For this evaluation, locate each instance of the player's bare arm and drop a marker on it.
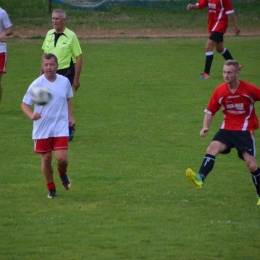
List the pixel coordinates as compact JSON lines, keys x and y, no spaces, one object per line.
{"x":6,"y":32}
{"x":71,"y":118}
{"x":191,"y":6}
{"x":28,"y":112}
{"x":78,"y":66}
{"x":234,"y":20}
{"x":206,"y":123}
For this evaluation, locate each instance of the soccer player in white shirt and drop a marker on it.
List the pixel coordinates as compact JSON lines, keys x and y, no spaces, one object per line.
{"x":5,"y":30}
{"x":50,"y":122}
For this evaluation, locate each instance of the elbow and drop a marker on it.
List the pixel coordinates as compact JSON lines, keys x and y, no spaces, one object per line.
{"x":9,"y":31}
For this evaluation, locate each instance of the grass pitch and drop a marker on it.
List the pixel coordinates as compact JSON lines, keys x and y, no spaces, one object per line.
{"x":139,"y":111}
{"x":34,"y":15}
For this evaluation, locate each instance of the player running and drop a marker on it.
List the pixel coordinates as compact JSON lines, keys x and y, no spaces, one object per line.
{"x":50,"y":123}
{"x":218,"y":11}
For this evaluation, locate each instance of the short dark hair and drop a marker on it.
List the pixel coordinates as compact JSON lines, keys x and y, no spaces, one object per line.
{"x":232,"y":63}
{"x":50,"y":56}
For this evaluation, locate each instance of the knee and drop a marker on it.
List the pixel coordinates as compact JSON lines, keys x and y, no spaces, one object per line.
{"x":250,"y":162}
{"x":209,"y":46}
{"x":212,"y":149}
{"x":62,"y":161}
{"x":208,"y":49}
{"x":252,"y":165}
{"x":219,"y":50}
{"x":46,"y":159}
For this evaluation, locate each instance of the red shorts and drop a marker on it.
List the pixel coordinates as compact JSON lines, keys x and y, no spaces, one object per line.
{"x":51,"y":143}
{"x":3,"y":62}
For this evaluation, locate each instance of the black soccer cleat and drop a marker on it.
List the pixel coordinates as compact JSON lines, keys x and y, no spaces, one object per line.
{"x":51,"y":194}
{"x":65,"y":181}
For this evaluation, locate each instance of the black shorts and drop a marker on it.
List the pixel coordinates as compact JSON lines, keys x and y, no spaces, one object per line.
{"x":241,"y":140}
{"x":68,"y":73}
{"x":217,"y":37}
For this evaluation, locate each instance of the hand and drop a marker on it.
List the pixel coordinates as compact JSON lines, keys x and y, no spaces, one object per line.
{"x":203,"y":131}
{"x":237,"y":30}
{"x":76,"y":84}
{"x":2,"y":37}
{"x":71,"y":122}
{"x":189,"y":6}
{"x":35,"y":116}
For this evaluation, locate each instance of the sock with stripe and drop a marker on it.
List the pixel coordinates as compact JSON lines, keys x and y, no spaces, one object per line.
{"x":206,"y":166}
{"x":256,"y":180}
{"x":208,"y":62}
{"x":227,"y":55}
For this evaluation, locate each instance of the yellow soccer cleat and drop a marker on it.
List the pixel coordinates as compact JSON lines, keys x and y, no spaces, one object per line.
{"x":196,"y":179}
{"x":258,"y":202}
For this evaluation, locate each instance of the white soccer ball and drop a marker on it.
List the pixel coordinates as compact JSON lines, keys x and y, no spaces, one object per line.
{"x":41,"y":95}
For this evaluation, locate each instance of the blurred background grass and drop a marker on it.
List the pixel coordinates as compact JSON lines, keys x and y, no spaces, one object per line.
{"x":34,"y":14}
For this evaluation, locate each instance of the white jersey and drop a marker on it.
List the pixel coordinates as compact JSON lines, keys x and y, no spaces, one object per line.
{"x":54,"y":119}
{"x":4,"y":24}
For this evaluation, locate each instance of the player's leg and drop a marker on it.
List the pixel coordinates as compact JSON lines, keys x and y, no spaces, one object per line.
{"x":255,"y":172}
{"x":3,"y":62}
{"x":247,"y":151}
{"x":209,"y":58}
{"x":215,"y":40}
{"x":246,"y":147}
{"x":47,"y":172}
{"x":61,"y":154}
{"x":207,"y":165}
{"x":1,"y":88}
{"x":217,"y":145}
{"x":46,"y":167}
{"x":220,"y":48}
{"x":44,"y":148}
{"x":62,"y":162}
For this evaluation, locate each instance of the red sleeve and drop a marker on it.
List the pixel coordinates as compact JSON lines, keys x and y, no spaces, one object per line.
{"x":202,"y":3}
{"x":214,"y":103}
{"x":228,"y":7}
{"x":254,"y":90}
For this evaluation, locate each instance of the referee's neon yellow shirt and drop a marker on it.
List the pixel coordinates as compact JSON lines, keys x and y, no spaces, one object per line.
{"x":67,"y":47}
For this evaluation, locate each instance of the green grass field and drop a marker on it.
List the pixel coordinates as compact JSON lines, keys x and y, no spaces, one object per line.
{"x":33,"y":14}
{"x":138,"y":112}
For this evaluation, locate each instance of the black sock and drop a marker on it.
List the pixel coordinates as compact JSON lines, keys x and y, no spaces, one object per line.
{"x":208,"y":62}
{"x":227,"y":55}
{"x":256,"y":180}
{"x":206,"y":166}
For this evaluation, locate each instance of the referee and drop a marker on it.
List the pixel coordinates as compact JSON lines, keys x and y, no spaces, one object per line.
{"x":64,"y":44}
